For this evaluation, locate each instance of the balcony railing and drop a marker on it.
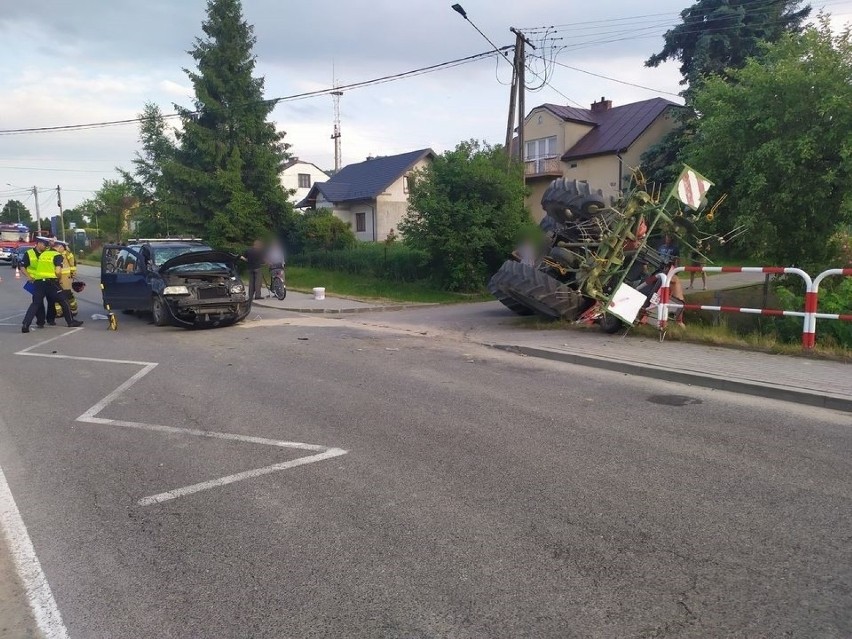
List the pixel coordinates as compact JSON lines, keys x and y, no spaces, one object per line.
{"x":543,"y":166}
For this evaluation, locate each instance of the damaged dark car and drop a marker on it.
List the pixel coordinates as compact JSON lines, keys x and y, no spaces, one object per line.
{"x":180,"y":282}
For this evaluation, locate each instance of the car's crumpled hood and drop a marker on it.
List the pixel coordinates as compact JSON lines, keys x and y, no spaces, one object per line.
{"x":199,"y":257}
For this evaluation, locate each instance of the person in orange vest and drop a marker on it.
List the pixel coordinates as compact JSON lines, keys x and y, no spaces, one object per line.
{"x":43,"y":267}
{"x":66,"y":279}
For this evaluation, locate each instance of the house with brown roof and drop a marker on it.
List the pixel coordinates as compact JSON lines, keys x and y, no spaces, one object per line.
{"x":599,"y":145}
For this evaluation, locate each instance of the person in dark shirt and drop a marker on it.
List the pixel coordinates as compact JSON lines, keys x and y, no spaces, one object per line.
{"x":45,"y":285}
{"x":669,"y":250}
{"x":254,"y":256}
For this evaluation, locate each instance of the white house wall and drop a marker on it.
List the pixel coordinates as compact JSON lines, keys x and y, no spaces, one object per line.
{"x":290,"y":179}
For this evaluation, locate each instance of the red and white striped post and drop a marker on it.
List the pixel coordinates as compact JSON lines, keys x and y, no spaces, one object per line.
{"x":807,"y":322}
{"x":812,"y":306}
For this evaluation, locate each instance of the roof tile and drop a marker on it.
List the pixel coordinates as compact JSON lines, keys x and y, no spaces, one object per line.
{"x":365,"y":180}
{"x":616,"y":129}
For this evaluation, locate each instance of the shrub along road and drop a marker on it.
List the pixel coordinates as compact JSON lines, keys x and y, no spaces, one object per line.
{"x":480,"y":495}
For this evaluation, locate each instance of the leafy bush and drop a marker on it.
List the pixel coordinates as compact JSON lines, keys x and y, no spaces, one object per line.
{"x":389,"y":261}
{"x":466,"y":212}
{"x":320,"y":229}
{"x":835,"y":296}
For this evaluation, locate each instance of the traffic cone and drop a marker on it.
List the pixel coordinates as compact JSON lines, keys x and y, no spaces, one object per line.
{"x":17,"y":273}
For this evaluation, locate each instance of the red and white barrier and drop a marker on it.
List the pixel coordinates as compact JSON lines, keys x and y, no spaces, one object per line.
{"x":812,"y":296}
{"x":808,"y":315}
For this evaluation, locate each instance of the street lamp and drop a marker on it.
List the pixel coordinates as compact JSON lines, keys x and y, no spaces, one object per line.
{"x":460,"y":10}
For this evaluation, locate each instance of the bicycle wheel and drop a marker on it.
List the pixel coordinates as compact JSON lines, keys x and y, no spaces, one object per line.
{"x":278,"y":288}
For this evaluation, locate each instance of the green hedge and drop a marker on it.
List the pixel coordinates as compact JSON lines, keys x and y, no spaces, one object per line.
{"x":835,"y":296}
{"x":393,"y":262}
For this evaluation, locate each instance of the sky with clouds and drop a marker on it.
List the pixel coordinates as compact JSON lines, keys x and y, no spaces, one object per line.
{"x":100,"y":60}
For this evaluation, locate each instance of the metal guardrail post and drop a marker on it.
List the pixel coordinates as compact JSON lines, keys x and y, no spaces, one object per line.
{"x":809,"y":314}
{"x":812,"y":296}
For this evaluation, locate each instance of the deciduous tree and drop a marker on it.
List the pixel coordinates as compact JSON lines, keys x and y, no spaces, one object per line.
{"x":15,"y":211}
{"x":778,"y":137}
{"x":155,"y":215}
{"x":714,"y":38}
{"x":467,"y":212}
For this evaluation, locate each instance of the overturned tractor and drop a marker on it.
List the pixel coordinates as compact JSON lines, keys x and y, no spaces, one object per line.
{"x":591,"y":247}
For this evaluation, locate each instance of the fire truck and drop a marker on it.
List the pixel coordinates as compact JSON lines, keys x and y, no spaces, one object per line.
{"x":13,"y":236}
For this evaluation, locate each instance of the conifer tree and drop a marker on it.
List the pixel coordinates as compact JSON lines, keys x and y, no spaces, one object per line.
{"x":225,"y":175}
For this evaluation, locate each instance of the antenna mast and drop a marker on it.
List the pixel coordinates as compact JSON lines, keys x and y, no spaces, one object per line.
{"x":336,"y":135}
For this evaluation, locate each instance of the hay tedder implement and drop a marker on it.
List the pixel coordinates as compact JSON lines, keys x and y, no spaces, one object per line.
{"x":594,"y":263}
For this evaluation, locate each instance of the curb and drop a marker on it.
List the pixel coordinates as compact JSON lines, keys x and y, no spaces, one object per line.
{"x":345,"y":311}
{"x":831,"y":402}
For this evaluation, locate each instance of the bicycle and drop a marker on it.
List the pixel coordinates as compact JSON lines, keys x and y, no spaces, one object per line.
{"x":277,"y":286}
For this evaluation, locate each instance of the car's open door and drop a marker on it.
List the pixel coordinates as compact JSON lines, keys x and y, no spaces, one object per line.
{"x":124,"y":278}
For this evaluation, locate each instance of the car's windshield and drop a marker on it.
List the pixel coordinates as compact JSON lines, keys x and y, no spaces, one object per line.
{"x":162,"y":254}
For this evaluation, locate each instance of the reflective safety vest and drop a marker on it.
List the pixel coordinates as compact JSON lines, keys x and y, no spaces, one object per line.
{"x":33,"y":265}
{"x":70,"y":260}
{"x":41,"y":265}
{"x":67,"y":264}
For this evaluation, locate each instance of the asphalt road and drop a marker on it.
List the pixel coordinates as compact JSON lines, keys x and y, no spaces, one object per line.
{"x":481,"y":494}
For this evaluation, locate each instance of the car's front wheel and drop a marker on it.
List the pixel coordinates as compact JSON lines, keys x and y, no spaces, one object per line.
{"x":159,"y":311}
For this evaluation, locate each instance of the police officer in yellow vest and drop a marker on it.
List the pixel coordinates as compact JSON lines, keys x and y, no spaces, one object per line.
{"x":66,"y":278}
{"x":43,"y":267}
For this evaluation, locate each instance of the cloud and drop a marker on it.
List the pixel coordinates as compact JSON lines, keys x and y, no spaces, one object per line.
{"x":89,"y":60}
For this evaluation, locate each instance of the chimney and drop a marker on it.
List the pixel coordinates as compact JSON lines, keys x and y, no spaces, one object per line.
{"x":603,"y":105}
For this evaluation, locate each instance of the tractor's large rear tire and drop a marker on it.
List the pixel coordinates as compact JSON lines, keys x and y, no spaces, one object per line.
{"x":504,"y":298}
{"x":567,"y":200}
{"x":610,"y":324}
{"x":542,"y":293}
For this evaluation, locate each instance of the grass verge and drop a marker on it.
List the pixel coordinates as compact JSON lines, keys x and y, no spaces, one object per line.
{"x":302,"y":278}
{"x":737,"y":331}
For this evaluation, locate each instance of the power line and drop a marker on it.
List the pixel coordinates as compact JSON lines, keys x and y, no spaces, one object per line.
{"x":611,"y":79}
{"x":33,"y":168}
{"x":290,"y":98}
{"x":752,"y":6}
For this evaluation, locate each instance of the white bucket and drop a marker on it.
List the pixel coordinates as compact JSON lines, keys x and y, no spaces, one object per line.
{"x":319,"y":293}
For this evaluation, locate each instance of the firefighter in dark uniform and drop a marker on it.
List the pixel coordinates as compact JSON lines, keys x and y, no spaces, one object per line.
{"x":43,"y":267}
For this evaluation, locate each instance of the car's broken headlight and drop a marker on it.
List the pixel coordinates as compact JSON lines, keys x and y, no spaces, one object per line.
{"x":236,"y":289}
{"x":176,"y":290}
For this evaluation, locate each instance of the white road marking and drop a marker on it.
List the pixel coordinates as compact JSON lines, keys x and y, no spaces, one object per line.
{"x":38,"y":592}
{"x":3,"y":319}
{"x":230,"y":479}
{"x":91,"y":417}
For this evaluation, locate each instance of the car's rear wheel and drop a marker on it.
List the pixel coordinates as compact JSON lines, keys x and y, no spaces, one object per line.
{"x":159,"y":312}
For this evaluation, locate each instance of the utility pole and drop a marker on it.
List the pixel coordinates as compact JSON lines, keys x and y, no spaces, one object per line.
{"x":61,"y":215}
{"x":520,"y":70}
{"x":38,"y":213}
{"x":513,"y":92}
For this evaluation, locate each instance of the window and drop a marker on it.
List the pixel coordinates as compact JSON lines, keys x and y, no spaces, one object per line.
{"x":537,"y":151}
{"x":406,"y":183}
{"x":541,"y":148}
{"x":304,"y":180}
{"x":360,"y":222}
